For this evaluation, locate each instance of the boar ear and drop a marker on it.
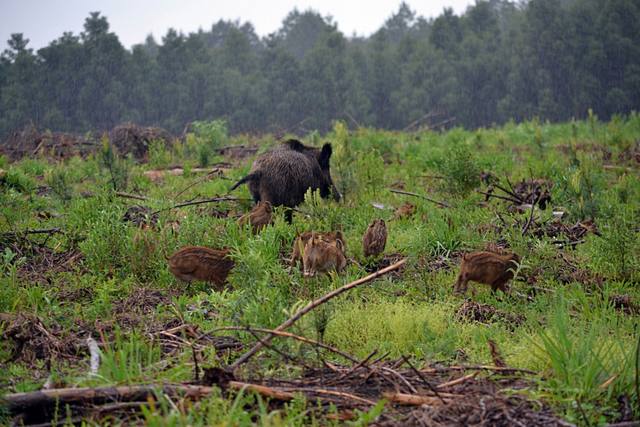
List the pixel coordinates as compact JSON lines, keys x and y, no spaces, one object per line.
{"x":325,"y":155}
{"x":339,"y":244}
{"x":294,"y":144}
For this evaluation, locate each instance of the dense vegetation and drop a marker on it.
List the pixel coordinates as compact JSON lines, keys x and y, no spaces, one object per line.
{"x":553,"y":59}
{"x":571,"y":317}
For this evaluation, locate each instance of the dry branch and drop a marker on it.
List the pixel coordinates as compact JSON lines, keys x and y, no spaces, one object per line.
{"x":203,"y":201}
{"x":457,"y":381}
{"x":476,"y":368}
{"x":25,"y":402}
{"x":131,"y":196}
{"x":407,"y":193}
{"x":289,"y":335}
{"x":263,"y":390}
{"x":245,"y":357}
{"x":412,"y":399}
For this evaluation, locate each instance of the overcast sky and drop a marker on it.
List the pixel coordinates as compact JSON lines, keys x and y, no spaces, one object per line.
{"x":42,"y":21}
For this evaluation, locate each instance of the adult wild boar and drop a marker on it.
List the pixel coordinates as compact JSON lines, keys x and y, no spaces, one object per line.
{"x":283,"y":176}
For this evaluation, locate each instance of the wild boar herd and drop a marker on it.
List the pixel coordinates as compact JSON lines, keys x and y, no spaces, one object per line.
{"x":281,"y":177}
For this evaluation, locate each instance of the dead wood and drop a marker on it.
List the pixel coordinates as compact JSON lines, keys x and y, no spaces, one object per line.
{"x":289,"y":335}
{"x":457,"y":381}
{"x":203,"y":201}
{"x":477,"y":368}
{"x":407,"y":193}
{"x":263,"y":390}
{"x":32,"y":401}
{"x":412,"y":399}
{"x":131,"y":196}
{"x":533,"y":207}
{"x":245,"y":357}
{"x":36,"y":231}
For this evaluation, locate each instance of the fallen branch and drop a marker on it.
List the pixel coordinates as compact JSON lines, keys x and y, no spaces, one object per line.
{"x":27,"y":402}
{"x":407,"y":193}
{"x":288,"y":335}
{"x":201,"y":202}
{"x":497,"y":196}
{"x":263,"y":390}
{"x":533,"y":207}
{"x":476,"y":368}
{"x":424,"y":380}
{"x":131,"y":196}
{"x":198,"y":181}
{"x":411,"y":399}
{"x":36,"y":231}
{"x":457,"y":381}
{"x":245,"y":357}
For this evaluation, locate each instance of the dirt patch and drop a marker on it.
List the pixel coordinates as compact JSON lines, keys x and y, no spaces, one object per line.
{"x":32,"y":340}
{"x":631,"y":154}
{"x":569,"y":234}
{"x":386,"y":261}
{"x":141,"y":216}
{"x":434,"y":396}
{"x":30,"y":142}
{"x":37,"y":262}
{"x":440,"y":262}
{"x":472,"y":311}
{"x":625,"y":304}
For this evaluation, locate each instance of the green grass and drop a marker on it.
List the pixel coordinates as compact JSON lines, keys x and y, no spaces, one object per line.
{"x":583,"y":348}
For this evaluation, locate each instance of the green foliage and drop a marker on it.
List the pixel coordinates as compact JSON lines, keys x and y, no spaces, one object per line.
{"x":116,"y":166}
{"x":565,"y":317}
{"x":460,"y":168}
{"x":60,"y":182}
{"x":583,"y":357}
{"x":159,"y":155}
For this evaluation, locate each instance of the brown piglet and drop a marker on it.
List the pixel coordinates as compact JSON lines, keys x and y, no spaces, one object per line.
{"x":302,"y":239}
{"x":259,"y":217}
{"x":375,"y":238}
{"x":488,"y":268}
{"x":321,"y":256}
{"x":201,"y":263}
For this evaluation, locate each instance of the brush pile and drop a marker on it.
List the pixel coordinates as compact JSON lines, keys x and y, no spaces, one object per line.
{"x":30,"y":142}
{"x":132,"y":139}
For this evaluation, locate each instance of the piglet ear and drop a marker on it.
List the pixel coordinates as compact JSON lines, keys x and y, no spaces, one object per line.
{"x":325,"y":155}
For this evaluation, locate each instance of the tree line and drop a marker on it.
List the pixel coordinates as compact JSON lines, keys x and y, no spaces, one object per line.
{"x":500,"y":60}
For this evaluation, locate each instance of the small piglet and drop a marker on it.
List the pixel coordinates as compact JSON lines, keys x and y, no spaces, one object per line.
{"x":321,"y":257}
{"x":375,"y":238}
{"x":303,"y":238}
{"x":488,"y":268}
{"x":201,"y":263}
{"x":259,"y":217}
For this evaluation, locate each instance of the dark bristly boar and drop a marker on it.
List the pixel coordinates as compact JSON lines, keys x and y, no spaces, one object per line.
{"x":201,"y":263}
{"x":320,"y":256}
{"x":375,"y":238}
{"x":283,"y":176}
{"x":259,"y":217}
{"x":302,"y":239}
{"x":488,"y":268}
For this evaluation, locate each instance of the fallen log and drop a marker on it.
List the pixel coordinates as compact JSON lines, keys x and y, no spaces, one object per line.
{"x":32,"y":401}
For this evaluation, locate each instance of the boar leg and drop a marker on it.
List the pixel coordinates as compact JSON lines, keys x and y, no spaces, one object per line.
{"x":460,"y":286}
{"x":288,"y":215}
